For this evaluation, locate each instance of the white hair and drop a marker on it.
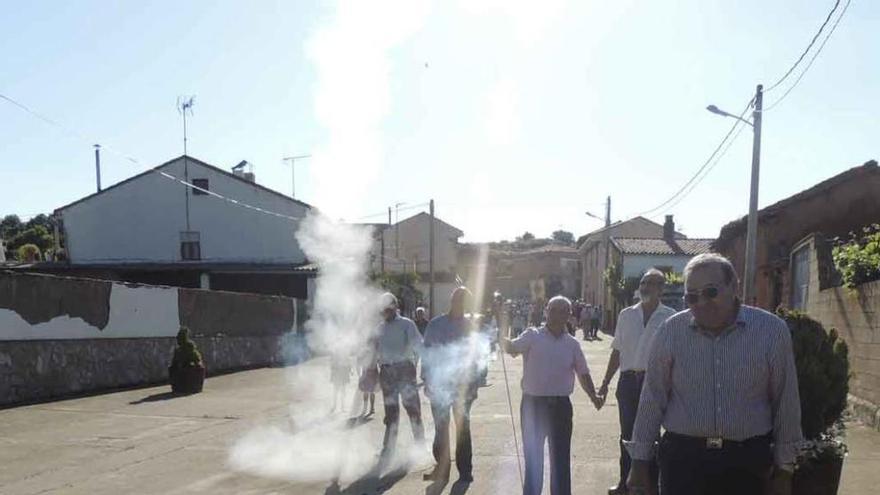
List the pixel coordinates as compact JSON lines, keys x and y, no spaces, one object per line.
{"x":556,"y":299}
{"x":654,"y":272}
{"x":711,"y":259}
{"x":387,"y":300}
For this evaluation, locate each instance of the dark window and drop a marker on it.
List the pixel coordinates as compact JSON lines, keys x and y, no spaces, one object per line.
{"x":190,"y":246}
{"x":202,"y":183}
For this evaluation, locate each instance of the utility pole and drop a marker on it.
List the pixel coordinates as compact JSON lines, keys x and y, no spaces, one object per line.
{"x":431,"y":263}
{"x":607,"y":236}
{"x":397,"y":230}
{"x":752,"y":228}
{"x":98,"y":165}
{"x":292,"y":160}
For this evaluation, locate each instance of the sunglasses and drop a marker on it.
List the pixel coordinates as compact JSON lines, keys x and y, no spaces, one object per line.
{"x":708,"y":293}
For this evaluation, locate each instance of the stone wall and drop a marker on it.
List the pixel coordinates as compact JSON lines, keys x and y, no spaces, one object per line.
{"x":62,"y":336}
{"x":855,"y":314}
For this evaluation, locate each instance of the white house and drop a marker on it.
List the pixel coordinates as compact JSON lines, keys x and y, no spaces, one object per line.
{"x":151,"y":228}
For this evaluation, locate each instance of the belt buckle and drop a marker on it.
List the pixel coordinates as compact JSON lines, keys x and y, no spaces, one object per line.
{"x":714,"y":443}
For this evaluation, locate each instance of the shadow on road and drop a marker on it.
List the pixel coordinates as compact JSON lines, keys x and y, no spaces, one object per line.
{"x":370,"y":483}
{"x":157,"y":397}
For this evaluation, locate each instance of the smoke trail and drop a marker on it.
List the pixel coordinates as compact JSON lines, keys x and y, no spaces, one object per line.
{"x":352,"y":97}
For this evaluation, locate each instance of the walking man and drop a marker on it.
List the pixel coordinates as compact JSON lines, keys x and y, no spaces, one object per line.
{"x":450,"y":372}
{"x":636,"y":327}
{"x":552,"y":360}
{"x":397,"y":345}
{"x":721,"y":380}
{"x":595,"y":321}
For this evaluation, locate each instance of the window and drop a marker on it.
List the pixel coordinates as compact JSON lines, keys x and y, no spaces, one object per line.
{"x":190,"y":246}
{"x":800,"y":277}
{"x":202,"y":183}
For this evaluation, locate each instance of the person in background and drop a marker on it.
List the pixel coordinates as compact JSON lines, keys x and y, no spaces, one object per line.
{"x":595,"y":322}
{"x":398,"y":343}
{"x":552,"y":360}
{"x":633,"y":334}
{"x":421,"y":320}
{"x":340,"y":375}
{"x":722,"y":382}
{"x":368,"y":379}
{"x":586,"y":322}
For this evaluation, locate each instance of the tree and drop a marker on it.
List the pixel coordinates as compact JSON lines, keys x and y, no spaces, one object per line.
{"x":527,"y":236}
{"x":563,"y":236}
{"x":10,"y":226}
{"x":37,"y":235}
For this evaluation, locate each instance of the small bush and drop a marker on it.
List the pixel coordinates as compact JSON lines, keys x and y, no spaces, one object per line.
{"x":29,"y":253}
{"x":858,"y":258}
{"x":822,"y":364}
{"x":186,"y":355}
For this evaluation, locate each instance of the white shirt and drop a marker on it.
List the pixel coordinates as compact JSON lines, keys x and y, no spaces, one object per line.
{"x":397,"y":341}
{"x":550,"y":362}
{"x":632,"y":337}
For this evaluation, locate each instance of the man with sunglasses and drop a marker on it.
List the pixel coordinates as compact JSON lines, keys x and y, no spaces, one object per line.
{"x":721,"y":380}
{"x":636,"y":326}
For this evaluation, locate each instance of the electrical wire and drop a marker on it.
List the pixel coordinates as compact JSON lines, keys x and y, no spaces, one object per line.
{"x":812,"y":59}
{"x":702,"y":167}
{"x":703,"y":176}
{"x":807,"y":50}
{"x":133,"y":160}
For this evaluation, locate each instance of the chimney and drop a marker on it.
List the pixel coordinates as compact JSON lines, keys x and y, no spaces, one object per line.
{"x":245,"y":170}
{"x":669,"y":228}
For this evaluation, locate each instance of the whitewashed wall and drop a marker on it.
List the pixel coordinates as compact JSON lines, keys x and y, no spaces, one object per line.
{"x":141,"y":221}
{"x":134,"y":312}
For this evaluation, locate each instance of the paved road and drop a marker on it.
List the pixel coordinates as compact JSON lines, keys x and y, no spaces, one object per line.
{"x":237,"y":437}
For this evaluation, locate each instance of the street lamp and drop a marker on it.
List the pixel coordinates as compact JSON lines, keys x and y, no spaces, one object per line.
{"x":752,"y":228}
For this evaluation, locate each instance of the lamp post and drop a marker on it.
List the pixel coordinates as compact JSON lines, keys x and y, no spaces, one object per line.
{"x":752,"y":227}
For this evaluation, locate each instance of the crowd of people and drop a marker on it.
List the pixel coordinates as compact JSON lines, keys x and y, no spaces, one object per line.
{"x":718,"y":377}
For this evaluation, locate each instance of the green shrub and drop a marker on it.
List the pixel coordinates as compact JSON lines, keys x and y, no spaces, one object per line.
{"x":186,"y":355}
{"x":29,"y":253}
{"x":858,"y":258}
{"x":823,"y":373}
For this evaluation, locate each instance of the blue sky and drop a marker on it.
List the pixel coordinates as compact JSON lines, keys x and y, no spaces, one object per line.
{"x":512,"y":115}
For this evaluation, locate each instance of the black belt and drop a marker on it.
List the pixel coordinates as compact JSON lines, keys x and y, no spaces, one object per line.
{"x":716,"y":443}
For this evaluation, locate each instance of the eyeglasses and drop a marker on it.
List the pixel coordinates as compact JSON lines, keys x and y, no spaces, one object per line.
{"x":708,"y":293}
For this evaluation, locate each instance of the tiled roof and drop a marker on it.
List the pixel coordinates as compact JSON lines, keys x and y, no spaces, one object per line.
{"x":660,"y":247}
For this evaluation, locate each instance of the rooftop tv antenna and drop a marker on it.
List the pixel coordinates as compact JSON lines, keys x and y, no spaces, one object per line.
{"x":184,"y":106}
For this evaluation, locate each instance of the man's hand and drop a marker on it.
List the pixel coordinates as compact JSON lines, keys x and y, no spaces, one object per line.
{"x":639,"y":482}
{"x":779,"y":482}
{"x":603,"y":390}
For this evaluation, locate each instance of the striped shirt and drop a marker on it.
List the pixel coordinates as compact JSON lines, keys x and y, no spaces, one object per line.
{"x":736,"y":385}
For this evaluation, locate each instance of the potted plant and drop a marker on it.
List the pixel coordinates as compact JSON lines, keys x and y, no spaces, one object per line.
{"x":823,"y":383}
{"x":187,"y":370}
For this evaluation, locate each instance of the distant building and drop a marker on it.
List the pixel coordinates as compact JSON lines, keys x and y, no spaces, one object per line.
{"x":407,"y":249}
{"x":834,"y":207}
{"x":669,"y":255}
{"x":594,"y":250}
{"x":539,"y":273}
{"x":153,"y":229}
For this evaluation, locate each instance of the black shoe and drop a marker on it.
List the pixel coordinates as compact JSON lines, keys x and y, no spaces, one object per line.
{"x":466,"y":477}
{"x":617,"y":490}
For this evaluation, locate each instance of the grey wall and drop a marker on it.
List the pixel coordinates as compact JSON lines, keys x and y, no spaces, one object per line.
{"x":61,"y":336}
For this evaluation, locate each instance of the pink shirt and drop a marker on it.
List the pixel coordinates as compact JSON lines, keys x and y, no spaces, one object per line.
{"x":550,"y":363}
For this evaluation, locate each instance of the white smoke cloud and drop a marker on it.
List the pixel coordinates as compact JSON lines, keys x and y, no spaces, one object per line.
{"x":352,"y":97}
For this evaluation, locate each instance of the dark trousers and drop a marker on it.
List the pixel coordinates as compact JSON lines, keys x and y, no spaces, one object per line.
{"x":687,"y":467}
{"x":461,"y":414}
{"x":629,"y":389}
{"x":546,"y":419}
{"x":398,"y":382}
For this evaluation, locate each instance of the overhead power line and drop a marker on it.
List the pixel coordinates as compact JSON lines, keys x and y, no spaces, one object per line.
{"x":806,"y":50}
{"x":812,"y":59}
{"x":703,"y":167}
{"x":133,"y":160}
